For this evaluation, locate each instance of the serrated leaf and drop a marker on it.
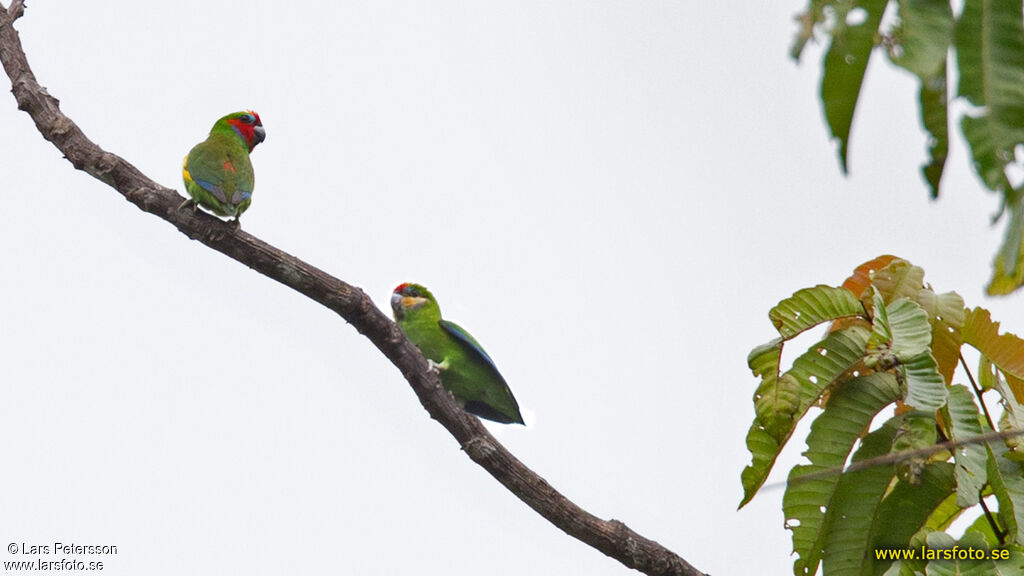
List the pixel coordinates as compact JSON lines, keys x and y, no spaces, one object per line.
{"x":988,"y":158}
{"x":812,"y":306}
{"x":1012,"y":417}
{"x":1006,"y":351}
{"x":911,"y":331}
{"x":926,"y":388}
{"x":971,"y":459}
{"x":946,"y":315}
{"x":776,"y":400}
{"x":776,"y":404}
{"x":826,"y":361}
{"x":1008,"y":272}
{"x":881,"y":332}
{"x":917,"y":431}
{"x":764,"y":360}
{"x":987,"y":374}
{"x":850,"y":517}
{"x":845,"y":64}
{"x":764,"y":450}
{"x":899,"y":279}
{"x":924,"y":34}
{"x":860,"y":280}
{"x":990,"y":54}
{"x":814,"y":371}
{"x":933,"y":96}
{"x":1007,"y":484}
{"x":848,"y":413}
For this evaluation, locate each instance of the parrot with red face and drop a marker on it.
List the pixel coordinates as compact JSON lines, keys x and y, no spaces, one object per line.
{"x":217,"y":171}
{"x":465,"y":369}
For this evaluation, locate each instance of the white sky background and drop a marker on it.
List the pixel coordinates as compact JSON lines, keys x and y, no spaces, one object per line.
{"x":609,"y":195}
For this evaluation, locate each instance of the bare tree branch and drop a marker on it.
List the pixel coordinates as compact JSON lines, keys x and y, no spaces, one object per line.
{"x":611,"y":537}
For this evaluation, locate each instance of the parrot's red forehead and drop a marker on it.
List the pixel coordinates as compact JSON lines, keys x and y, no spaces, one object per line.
{"x":238,"y":119}
{"x":401,"y":287}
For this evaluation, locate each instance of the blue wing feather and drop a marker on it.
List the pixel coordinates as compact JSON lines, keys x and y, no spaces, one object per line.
{"x":212,"y":188}
{"x":468,"y":341}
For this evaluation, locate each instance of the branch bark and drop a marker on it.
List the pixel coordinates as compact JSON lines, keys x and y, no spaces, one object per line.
{"x":611,"y":537}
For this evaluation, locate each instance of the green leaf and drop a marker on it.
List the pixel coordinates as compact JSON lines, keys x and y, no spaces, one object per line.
{"x":911,"y":331}
{"x":944,"y":514}
{"x":982,"y":526}
{"x":934,"y":98}
{"x":813,"y":371}
{"x":990,"y":52}
{"x":917,"y":432}
{"x":764,"y":360}
{"x":811,"y":306}
{"x":764,"y":450}
{"x":987,"y":157}
{"x":854,"y":506}
{"x":826,"y":361}
{"x":833,"y":434}
{"x":924,"y":34}
{"x":777,"y":404}
{"x":1008,"y":274}
{"x":961,"y":567}
{"x":990,"y":55}
{"x":776,"y":400}
{"x":845,"y":64}
{"x":971,"y":459}
{"x":1007,"y":484}
{"x":926,"y":388}
{"x":901,"y":332}
{"x":907,"y":507}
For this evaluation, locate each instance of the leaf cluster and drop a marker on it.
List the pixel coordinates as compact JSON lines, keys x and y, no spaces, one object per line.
{"x":984,"y":45}
{"x":896,"y":451}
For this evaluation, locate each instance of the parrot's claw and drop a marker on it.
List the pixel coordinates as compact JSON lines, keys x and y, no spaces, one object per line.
{"x":236,"y":224}
{"x":187,"y":202}
{"x":435,"y":367}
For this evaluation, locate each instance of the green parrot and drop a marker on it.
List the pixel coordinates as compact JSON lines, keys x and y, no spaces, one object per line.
{"x":217,"y":171}
{"x":466,"y":370}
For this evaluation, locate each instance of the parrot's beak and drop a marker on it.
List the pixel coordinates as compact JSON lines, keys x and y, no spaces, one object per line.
{"x":396,"y":304}
{"x":259,"y":133}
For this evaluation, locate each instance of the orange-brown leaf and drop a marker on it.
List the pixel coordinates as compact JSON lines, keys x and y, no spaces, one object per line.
{"x":861,"y":278}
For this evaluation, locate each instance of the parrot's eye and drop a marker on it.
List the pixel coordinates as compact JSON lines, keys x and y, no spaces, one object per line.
{"x":248,"y":119}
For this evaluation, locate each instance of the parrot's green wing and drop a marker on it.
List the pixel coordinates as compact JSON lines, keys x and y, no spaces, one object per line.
{"x":218,"y":175}
{"x":475,"y":352}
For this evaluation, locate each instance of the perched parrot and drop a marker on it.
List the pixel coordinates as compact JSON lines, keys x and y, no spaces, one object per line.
{"x":466,"y":370}
{"x":217,"y":171}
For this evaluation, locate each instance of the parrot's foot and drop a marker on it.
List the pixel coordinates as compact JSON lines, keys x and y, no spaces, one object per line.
{"x":236,"y":224}
{"x":187,"y":202}
{"x":435,"y":367}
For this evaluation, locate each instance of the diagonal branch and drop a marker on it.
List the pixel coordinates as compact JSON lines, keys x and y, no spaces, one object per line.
{"x":611,"y":537}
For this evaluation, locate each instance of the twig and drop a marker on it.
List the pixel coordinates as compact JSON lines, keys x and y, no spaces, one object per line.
{"x":609,"y":536}
{"x":977,"y":392}
{"x":895,"y":457}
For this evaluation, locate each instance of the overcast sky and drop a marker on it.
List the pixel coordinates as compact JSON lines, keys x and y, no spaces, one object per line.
{"x":609,"y":195}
